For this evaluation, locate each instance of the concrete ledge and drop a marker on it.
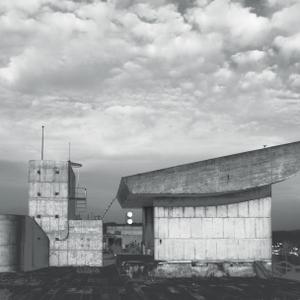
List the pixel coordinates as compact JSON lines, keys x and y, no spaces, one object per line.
{"x":208,"y":269}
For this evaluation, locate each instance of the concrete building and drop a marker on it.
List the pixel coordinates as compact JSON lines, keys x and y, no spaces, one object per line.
{"x":128,"y":238}
{"x":54,"y":203}
{"x":24,"y":246}
{"x":211,"y":216}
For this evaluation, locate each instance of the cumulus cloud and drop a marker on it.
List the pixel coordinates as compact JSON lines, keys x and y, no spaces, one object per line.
{"x":147,"y":79}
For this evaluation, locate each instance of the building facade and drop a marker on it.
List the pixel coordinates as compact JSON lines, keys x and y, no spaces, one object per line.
{"x":213,"y":215}
{"x":53,"y":204}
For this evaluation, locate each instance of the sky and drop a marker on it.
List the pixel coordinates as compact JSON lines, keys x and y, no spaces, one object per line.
{"x":140,"y":85}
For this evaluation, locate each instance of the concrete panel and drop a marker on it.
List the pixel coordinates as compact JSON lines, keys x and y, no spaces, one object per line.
{"x":163,"y":227}
{"x":207,"y":224}
{"x":221,"y":250}
{"x":196,"y":228}
{"x":266,"y":207}
{"x":229,"y":228}
{"x":243,"y":208}
{"x":249,"y":228}
{"x":233,"y":210}
{"x":217,"y":228}
{"x":159,"y":212}
{"x":239,"y":228}
{"x":200,"y":249}
{"x":189,"y":252}
{"x":185,"y":228}
{"x":199,"y":212}
{"x":255,"y":208}
{"x":211,"y":249}
{"x":177,"y":212}
{"x":222,"y":211}
{"x":211,"y":211}
{"x":174,"y":228}
{"x":189,"y":212}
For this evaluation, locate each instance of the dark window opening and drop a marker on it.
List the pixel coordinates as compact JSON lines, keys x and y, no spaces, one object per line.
{"x":56,"y":193}
{"x":56,"y":171}
{"x":38,"y":216}
{"x":56,"y":216}
{"x":38,"y":171}
{"x":39,"y":194}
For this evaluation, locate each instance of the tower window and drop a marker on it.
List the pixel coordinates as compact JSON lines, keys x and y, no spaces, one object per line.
{"x":56,"y":193}
{"x":38,"y":216}
{"x":38,"y":171}
{"x":56,"y":216}
{"x":56,"y":171}
{"x":39,"y":194}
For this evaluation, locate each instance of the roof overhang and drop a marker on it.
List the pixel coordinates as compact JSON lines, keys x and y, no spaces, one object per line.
{"x":221,"y":180}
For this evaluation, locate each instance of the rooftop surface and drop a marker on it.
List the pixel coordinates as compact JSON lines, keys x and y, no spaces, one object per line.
{"x":71,"y":283}
{"x":242,"y":172}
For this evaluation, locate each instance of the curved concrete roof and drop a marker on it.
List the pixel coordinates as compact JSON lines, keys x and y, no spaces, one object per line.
{"x":228,"y":174}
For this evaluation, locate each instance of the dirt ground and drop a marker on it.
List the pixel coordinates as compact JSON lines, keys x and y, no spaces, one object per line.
{"x":105,"y":283}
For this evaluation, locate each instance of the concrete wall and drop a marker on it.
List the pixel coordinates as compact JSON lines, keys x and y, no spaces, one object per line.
{"x":234,"y":232}
{"x":83,"y":246}
{"x":51,"y":190}
{"x":226,"y":174}
{"x":23,"y":244}
{"x":148,"y":230}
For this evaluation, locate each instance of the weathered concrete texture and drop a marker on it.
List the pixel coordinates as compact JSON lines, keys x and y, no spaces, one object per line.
{"x":226,"y":174}
{"x":23,"y":244}
{"x":148,"y":230}
{"x":83,"y":246}
{"x":127,"y":233}
{"x":235,"y":232}
{"x":51,"y":203}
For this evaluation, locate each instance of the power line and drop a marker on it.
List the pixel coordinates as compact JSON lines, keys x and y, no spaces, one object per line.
{"x":108,"y":207}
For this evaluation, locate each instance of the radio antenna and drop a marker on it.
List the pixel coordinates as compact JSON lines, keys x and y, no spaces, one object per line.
{"x":42,"y":150}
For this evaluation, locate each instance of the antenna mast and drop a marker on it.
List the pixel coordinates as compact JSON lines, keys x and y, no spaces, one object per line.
{"x":69,"y":151}
{"x":42,"y":150}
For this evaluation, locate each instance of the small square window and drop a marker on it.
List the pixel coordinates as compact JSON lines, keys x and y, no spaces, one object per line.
{"x":56,"y":216}
{"x":38,"y":216}
{"x":39,"y":194}
{"x":38,"y":171}
{"x":56,"y":171}
{"x":56,"y":193}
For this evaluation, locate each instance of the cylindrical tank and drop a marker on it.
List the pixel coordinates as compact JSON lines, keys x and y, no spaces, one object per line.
{"x":10,"y":240}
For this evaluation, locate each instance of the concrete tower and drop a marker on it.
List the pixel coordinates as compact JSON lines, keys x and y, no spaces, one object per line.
{"x":52,"y":203}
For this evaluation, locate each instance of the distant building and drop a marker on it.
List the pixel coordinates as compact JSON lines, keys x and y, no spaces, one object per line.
{"x":123,"y":238}
{"x":56,"y":203}
{"x":211,"y":216}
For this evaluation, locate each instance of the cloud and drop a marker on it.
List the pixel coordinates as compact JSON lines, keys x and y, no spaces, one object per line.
{"x":137,"y":79}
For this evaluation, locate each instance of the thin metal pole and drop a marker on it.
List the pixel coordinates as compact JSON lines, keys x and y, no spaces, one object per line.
{"x":42,"y":150}
{"x":69,"y":151}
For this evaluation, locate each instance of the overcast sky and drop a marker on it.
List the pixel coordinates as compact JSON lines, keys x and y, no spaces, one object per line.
{"x":140,"y":85}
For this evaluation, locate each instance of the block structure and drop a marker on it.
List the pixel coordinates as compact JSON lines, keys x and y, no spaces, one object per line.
{"x":234,"y":232}
{"x":213,"y":214}
{"x":52,"y":198}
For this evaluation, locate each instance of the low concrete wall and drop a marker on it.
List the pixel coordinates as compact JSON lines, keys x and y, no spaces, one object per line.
{"x":24,"y":246}
{"x":81,"y":247}
{"x":238,"y":232}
